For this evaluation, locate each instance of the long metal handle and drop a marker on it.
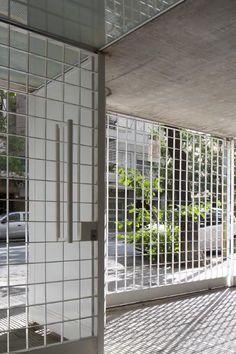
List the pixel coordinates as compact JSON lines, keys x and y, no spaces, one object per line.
{"x":70,"y":179}
{"x":58,"y":184}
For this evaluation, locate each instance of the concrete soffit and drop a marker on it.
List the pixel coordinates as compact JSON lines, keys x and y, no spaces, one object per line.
{"x":179,"y":69}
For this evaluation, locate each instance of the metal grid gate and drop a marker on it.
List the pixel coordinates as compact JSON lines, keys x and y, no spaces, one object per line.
{"x":48,"y":285}
{"x":168,"y":205}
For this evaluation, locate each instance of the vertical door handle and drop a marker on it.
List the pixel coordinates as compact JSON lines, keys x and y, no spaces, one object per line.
{"x":70,"y":180}
{"x":58,"y":184}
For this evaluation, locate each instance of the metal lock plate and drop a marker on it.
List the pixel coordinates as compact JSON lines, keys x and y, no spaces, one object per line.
{"x":88,"y":231}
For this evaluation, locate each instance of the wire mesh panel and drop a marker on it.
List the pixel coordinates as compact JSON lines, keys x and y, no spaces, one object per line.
{"x":232,"y":233}
{"x":166,"y":205}
{"x":122,"y":16}
{"x":48,"y":190}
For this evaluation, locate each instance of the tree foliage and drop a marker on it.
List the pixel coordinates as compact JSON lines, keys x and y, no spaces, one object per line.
{"x":154,"y":229}
{"x":16,"y":144}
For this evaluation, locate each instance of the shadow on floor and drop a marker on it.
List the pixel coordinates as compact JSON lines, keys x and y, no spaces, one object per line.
{"x":203,"y":323}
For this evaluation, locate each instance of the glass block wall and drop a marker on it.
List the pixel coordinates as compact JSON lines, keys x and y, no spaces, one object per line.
{"x":93,"y":23}
{"x":123,"y":16}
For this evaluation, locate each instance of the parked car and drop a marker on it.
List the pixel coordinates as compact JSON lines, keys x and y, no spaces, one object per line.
{"x":210,"y":233}
{"x":16,"y":226}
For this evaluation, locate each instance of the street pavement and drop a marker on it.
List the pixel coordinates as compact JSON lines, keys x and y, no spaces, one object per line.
{"x":15,"y":257}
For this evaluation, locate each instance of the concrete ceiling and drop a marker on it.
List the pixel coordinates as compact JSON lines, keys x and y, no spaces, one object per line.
{"x":179,"y":69}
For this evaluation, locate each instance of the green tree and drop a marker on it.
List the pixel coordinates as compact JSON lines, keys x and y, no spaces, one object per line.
{"x":187,"y":173}
{"x":155,"y":230}
{"x":16,"y":144}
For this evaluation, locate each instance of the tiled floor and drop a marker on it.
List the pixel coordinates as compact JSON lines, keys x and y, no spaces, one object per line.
{"x":203,"y":323}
